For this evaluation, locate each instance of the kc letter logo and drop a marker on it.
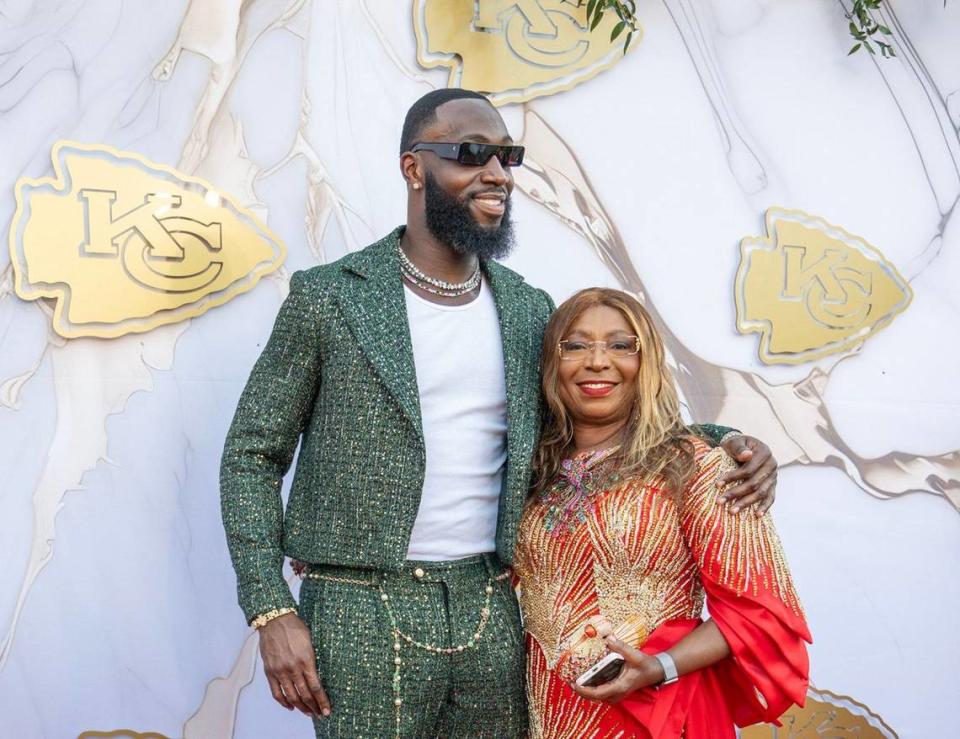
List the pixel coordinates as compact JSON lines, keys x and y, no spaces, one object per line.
{"x":811,"y":289}
{"x":514,"y":49}
{"x":125,"y":245}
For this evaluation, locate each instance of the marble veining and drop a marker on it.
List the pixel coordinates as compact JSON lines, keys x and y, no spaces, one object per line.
{"x":176,"y":97}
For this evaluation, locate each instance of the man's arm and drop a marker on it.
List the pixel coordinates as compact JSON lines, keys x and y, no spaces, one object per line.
{"x":273,"y":411}
{"x":711,"y":432}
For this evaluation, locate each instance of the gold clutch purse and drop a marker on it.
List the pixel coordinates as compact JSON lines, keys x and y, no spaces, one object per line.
{"x":586,"y":648}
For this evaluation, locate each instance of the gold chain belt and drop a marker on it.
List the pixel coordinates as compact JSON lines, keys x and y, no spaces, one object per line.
{"x":399,"y":635}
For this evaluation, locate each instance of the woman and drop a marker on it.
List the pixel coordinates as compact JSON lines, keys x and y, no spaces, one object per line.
{"x":623,"y":538}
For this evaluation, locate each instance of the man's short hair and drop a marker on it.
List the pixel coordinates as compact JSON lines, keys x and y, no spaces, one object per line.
{"x":424,"y":112}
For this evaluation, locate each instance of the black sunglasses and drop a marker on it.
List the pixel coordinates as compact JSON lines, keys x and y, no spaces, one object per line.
{"x":473,"y":154}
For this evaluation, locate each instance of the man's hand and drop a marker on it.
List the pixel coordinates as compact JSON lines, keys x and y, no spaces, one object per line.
{"x":289,"y":662}
{"x":639,"y":671}
{"x":756,"y":475}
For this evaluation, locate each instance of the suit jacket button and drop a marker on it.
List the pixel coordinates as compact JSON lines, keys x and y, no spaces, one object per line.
{"x":419,"y":573}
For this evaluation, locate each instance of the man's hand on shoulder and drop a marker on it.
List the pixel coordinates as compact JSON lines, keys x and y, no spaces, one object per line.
{"x":290,"y":665}
{"x":755,"y":478}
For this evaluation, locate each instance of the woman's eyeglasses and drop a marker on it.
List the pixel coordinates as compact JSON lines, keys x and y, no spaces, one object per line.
{"x":575,"y":349}
{"x":474,"y":154}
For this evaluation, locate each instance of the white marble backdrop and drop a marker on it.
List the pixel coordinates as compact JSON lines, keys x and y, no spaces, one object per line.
{"x":117,"y":604}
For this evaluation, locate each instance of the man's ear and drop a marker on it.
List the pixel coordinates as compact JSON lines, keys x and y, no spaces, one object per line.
{"x":411,"y":170}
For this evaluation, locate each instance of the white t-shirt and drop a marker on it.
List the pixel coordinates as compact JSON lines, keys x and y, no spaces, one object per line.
{"x":458,"y":355}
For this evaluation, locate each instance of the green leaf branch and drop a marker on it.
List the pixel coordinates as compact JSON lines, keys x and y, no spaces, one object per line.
{"x":626,"y":12}
{"x":866,"y":31}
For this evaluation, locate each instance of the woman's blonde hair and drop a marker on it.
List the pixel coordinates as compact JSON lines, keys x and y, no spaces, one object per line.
{"x":655,"y":441}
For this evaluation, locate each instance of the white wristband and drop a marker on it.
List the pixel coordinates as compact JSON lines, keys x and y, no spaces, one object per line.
{"x":669,"y":668}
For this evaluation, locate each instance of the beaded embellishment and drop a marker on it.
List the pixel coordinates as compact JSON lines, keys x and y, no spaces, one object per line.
{"x":568,"y":500}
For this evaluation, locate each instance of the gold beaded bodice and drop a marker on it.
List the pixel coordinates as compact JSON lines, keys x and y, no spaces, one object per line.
{"x":619,"y":555}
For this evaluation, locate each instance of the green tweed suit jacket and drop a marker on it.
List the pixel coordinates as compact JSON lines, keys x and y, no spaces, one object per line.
{"x":338,"y":371}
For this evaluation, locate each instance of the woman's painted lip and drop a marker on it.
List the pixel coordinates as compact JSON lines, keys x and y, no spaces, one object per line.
{"x":596,"y":389}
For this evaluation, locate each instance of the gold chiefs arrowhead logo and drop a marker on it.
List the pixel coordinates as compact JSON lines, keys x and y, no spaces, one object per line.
{"x":125,"y":245}
{"x":825,"y":715}
{"x":810,"y":289}
{"x":515,"y":50}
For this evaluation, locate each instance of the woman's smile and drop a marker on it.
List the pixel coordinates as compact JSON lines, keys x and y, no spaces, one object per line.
{"x":597,"y":388}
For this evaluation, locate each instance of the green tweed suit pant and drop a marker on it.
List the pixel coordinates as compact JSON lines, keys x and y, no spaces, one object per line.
{"x":377,"y":690}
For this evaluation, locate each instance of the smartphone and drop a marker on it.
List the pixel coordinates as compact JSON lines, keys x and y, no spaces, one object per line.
{"x":602,"y":672}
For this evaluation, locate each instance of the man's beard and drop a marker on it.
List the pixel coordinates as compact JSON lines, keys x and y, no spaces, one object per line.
{"x":451,"y":223}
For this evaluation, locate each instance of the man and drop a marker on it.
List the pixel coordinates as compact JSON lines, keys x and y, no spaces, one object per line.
{"x":410,"y":370}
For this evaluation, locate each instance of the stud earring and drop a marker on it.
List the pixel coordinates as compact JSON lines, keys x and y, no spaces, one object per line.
{"x":416,"y":185}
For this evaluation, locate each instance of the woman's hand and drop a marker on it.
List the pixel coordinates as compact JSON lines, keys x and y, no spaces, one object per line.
{"x":639,"y":671}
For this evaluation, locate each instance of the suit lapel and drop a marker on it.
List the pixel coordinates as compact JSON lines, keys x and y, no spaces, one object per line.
{"x":373,"y":304}
{"x":518,"y":347}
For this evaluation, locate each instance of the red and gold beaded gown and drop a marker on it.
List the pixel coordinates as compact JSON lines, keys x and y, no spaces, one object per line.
{"x":596,"y":546}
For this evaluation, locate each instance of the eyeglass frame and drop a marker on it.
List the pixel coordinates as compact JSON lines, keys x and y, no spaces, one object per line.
{"x":456,"y":152}
{"x":592,"y":347}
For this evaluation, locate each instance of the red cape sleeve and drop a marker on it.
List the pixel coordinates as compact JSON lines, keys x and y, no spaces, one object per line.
{"x":751,"y":598}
